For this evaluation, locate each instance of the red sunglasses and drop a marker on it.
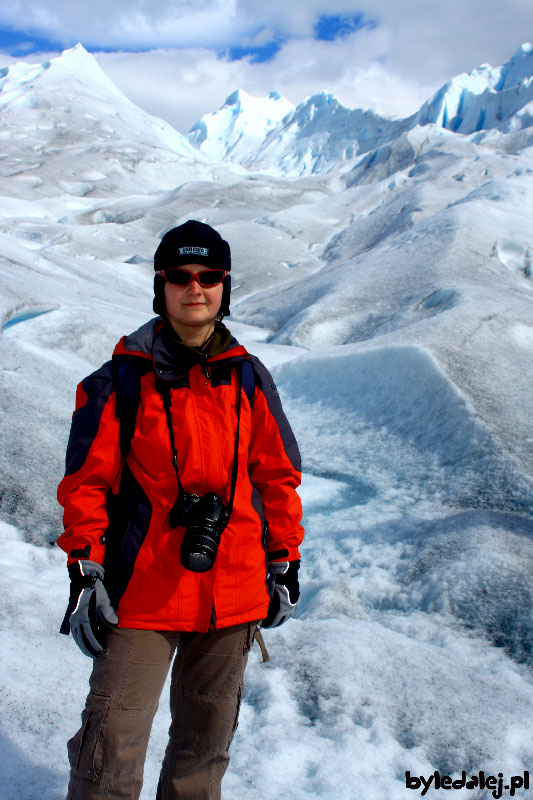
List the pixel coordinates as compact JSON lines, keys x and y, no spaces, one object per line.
{"x":181,"y":277}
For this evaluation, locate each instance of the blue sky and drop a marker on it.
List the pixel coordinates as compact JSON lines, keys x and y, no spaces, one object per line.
{"x":181,"y":58}
{"x":329,"y":27}
{"x":16,"y":43}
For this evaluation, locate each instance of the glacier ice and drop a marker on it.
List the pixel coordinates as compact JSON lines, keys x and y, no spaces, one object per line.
{"x":381,"y":269}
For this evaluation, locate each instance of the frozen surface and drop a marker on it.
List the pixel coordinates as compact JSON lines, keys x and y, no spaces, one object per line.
{"x":389,"y":290}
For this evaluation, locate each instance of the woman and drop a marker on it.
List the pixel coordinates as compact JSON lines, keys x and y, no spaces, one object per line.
{"x":182,"y":527}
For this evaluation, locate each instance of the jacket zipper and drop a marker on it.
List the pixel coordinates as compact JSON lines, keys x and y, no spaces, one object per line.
{"x":205,"y":368}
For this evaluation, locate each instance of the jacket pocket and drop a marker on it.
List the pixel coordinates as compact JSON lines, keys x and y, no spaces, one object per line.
{"x":86,"y":748}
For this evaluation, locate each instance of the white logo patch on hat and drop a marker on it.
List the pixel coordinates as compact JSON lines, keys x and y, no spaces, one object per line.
{"x":193,"y":251}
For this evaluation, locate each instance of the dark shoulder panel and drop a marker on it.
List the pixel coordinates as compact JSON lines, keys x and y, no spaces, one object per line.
{"x":97,"y":389}
{"x":265,"y":383}
{"x":143,"y":338}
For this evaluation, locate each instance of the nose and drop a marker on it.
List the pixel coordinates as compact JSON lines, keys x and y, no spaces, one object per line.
{"x":194,"y":285}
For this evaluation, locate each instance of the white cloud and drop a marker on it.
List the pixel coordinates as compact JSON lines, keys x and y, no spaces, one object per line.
{"x":181,"y":86}
{"x":425,"y":32}
{"x":127,"y":23}
{"x":456,"y":36}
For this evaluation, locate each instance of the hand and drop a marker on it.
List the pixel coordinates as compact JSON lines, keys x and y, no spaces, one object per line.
{"x":284,"y":590}
{"x":93,"y":612}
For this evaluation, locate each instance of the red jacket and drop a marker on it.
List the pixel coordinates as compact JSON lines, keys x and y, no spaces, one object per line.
{"x":146,"y":581}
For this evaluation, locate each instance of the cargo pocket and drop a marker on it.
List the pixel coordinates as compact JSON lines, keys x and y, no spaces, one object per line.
{"x":249,"y":636}
{"x":86,"y":748}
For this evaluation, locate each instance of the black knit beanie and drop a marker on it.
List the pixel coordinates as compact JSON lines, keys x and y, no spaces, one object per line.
{"x":192,"y":243}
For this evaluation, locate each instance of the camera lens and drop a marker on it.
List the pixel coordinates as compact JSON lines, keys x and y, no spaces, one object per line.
{"x":202,"y":536}
{"x":198,"y":559}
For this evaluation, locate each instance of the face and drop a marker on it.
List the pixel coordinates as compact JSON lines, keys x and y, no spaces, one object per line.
{"x":191,"y":309}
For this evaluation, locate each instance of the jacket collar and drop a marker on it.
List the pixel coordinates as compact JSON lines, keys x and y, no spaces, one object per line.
{"x":152,"y":341}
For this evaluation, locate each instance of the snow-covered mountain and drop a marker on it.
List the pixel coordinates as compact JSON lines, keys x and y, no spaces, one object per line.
{"x":320,"y":131}
{"x":390,"y":292}
{"x":318,"y":134}
{"x":488,"y":97}
{"x":67,"y":112}
{"x":239,"y":126}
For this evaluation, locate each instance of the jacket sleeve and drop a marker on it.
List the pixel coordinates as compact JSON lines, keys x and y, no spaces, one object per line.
{"x":93,"y":463}
{"x":274,"y":464}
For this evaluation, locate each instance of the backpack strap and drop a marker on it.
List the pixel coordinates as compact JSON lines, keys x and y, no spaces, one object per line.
{"x":127,"y":371}
{"x":248,"y":379}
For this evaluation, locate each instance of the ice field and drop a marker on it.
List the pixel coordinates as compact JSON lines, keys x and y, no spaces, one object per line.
{"x":388,"y":287}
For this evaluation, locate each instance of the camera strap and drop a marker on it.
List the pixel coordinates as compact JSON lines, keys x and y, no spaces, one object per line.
{"x":235,"y":465}
{"x":166,"y":404}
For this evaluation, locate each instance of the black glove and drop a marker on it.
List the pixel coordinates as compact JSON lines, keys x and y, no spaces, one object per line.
{"x":284,"y":591}
{"x":89,"y":611}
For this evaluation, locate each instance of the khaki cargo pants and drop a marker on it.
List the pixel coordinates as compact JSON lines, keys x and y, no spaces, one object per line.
{"x":107,"y":754}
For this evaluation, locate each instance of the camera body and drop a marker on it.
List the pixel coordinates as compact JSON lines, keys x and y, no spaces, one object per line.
{"x":204,"y":518}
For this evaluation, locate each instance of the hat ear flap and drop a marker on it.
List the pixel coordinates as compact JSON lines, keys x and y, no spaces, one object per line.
{"x":159,"y":295}
{"x":226,"y":292}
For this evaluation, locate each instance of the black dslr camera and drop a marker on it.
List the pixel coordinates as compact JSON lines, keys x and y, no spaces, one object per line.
{"x":204,"y":519}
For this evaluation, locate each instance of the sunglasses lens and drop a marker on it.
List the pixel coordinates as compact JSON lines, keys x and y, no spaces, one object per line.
{"x":211,"y":277}
{"x":178,"y":276}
